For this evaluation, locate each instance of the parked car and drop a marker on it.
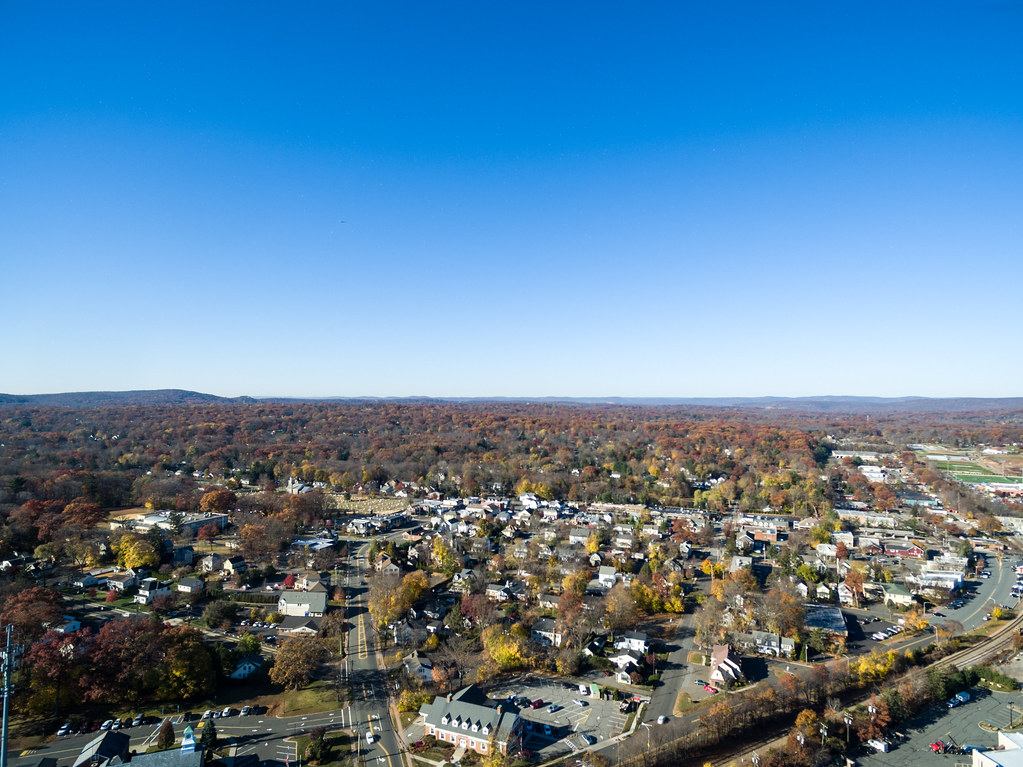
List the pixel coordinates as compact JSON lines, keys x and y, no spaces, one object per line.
{"x":662,"y":720}
{"x":579,"y":702}
{"x":246,"y":710}
{"x":138,"y":721}
{"x":553,"y":707}
{"x":107,"y":724}
{"x":64,"y":729}
{"x":536,"y":703}
{"x":207,"y":714}
{"x":546,"y":729}
{"x":226,"y":712}
{"x":710,"y":689}
{"x":589,"y":739}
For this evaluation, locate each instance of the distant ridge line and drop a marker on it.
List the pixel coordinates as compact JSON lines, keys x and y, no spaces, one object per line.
{"x":823,"y":403}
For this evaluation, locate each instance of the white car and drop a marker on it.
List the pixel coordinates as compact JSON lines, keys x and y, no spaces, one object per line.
{"x":579,"y":702}
{"x":662,"y":720}
{"x":369,"y":737}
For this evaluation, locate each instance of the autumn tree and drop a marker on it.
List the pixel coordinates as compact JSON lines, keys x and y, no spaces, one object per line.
{"x":57,"y":656}
{"x":126,"y":659}
{"x":873,"y":723}
{"x":619,"y":608}
{"x":134,"y":551}
{"x":31,"y":611}
{"x":187,"y":667}
{"x":295,"y":663}
{"x":218,"y":501}
{"x":165,"y":736}
{"x":207,"y":533}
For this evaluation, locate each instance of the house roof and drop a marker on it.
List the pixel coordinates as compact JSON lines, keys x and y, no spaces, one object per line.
{"x":108,"y":748}
{"x":174,"y":757}
{"x":471,"y":706}
{"x":317,"y":600}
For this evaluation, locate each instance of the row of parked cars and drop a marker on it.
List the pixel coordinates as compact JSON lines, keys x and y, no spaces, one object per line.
{"x":891,"y":631}
{"x":70,"y":728}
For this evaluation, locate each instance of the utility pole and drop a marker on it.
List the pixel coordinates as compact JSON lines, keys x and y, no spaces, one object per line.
{"x":7,"y":696}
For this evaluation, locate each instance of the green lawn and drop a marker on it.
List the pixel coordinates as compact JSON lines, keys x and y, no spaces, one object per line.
{"x":962,"y":466}
{"x":979,"y":479}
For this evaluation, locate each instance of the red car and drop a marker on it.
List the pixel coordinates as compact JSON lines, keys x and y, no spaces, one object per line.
{"x":536,"y":703}
{"x":708,"y":688}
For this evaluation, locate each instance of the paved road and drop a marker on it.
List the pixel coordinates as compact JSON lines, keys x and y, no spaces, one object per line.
{"x":938,"y":723}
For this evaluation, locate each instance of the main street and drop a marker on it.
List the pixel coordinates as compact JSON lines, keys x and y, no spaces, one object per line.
{"x":267,"y":737}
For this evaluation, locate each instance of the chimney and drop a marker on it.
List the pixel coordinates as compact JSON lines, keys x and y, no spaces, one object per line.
{"x":449,"y":697}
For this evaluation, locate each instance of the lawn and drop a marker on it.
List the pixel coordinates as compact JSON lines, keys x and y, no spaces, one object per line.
{"x":315,"y":699}
{"x":979,"y":479}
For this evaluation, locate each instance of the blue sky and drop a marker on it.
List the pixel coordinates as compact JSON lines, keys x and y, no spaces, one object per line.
{"x":517,"y":199}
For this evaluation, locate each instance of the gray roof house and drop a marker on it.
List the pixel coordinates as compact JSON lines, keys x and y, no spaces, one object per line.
{"x":108,"y":748}
{"x":469,"y":719}
{"x":302,"y":603}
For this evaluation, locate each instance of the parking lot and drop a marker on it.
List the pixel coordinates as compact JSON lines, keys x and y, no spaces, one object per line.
{"x":559,"y":725}
{"x":962,"y":724}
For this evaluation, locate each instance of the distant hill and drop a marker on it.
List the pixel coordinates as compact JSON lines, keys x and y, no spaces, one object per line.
{"x":150,"y":398}
{"x":821,"y":404}
{"x":818,"y":404}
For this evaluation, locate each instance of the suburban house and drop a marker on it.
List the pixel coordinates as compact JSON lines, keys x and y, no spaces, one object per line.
{"x":211,"y":563}
{"x":299,"y":626}
{"x":469,"y":719}
{"x":67,"y":624}
{"x":419,"y":667}
{"x":235,"y":565}
{"x":607,"y":576}
{"x":122,"y":581}
{"x":386,"y":565}
{"x":107,"y":748}
{"x":725,"y":666}
{"x":545,"y":632}
{"x":768,"y":643}
{"x":302,"y":603}
{"x":149,"y":589}
{"x":247,"y":666}
{"x":637,"y":641}
{"x":904,"y":549}
{"x":190,"y":586}
{"x":897,"y":594}
{"x":626,"y":659}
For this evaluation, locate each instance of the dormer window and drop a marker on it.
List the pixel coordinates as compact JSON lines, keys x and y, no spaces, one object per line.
{"x":445,"y":719}
{"x":465,"y":725}
{"x":476,"y":727}
{"x":486,"y":730}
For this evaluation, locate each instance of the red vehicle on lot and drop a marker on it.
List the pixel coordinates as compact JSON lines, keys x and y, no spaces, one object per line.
{"x":708,"y":688}
{"x":536,"y":703}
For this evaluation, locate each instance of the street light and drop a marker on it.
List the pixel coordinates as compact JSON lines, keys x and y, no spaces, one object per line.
{"x":848,"y":721}
{"x":824,"y":733}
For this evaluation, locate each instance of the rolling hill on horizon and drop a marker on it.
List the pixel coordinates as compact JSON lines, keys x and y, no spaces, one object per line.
{"x":823,"y":403}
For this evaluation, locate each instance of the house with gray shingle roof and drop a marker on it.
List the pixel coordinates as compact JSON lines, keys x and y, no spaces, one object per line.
{"x":469,"y":719}
{"x":303,"y":603}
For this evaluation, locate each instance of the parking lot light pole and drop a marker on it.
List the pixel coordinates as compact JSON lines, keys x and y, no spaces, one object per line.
{"x":824,"y":733}
{"x":848,"y":721}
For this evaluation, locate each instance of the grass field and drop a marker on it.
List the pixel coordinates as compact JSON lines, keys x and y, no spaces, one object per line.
{"x":977,"y":479}
{"x":962,"y":466}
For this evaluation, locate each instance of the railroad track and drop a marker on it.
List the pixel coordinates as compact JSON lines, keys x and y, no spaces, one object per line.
{"x":992,"y":646}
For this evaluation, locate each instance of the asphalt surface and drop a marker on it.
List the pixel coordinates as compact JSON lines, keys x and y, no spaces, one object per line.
{"x":962,"y":724}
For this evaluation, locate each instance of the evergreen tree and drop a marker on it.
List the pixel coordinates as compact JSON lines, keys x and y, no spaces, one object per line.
{"x":209,"y":734}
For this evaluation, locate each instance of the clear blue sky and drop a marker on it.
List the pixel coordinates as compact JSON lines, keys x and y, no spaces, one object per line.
{"x":519,"y":198}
